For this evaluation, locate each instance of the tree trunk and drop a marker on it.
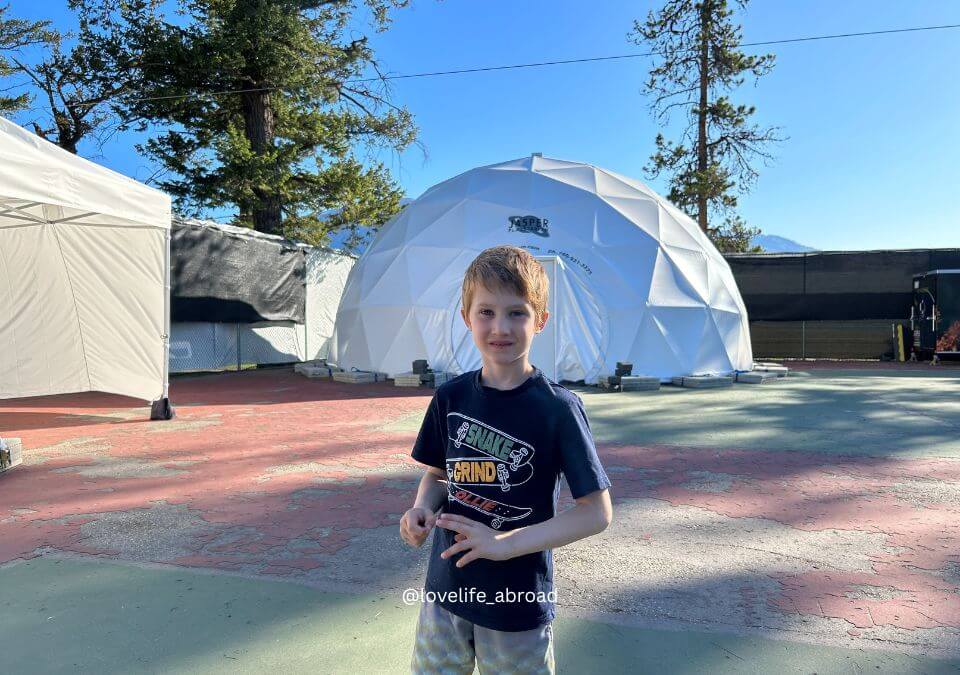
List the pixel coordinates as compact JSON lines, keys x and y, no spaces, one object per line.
{"x":259,"y":131}
{"x":706,"y":10}
{"x":67,"y":138}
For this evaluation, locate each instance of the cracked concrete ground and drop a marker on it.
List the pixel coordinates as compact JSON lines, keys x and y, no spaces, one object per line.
{"x":816,"y":513}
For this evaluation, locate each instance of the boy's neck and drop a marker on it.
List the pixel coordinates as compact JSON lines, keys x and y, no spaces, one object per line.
{"x":505,"y":377}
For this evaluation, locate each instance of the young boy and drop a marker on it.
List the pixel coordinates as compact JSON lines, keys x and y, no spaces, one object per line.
{"x":494,"y":442}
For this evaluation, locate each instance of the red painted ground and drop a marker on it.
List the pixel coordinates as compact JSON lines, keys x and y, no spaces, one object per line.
{"x":229,"y":434}
{"x":914,"y":583}
{"x":271,"y":473}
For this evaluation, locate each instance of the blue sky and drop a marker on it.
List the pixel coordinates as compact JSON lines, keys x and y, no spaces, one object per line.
{"x":872,"y":122}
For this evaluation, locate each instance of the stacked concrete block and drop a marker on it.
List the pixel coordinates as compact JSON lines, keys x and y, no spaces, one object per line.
{"x":359,"y":377}
{"x":753,"y":377}
{"x":316,"y":363}
{"x":407,"y":380}
{"x":778,"y":370}
{"x":317,"y":371}
{"x":11,"y":453}
{"x":703,"y":381}
{"x":422,"y":374}
{"x":639,"y":383}
{"x":608,"y":381}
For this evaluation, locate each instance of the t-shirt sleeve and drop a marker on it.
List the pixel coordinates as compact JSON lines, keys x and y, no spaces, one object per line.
{"x":431,"y":445}
{"x":578,"y":454}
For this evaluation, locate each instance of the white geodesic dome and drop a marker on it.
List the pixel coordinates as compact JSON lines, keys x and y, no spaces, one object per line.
{"x":632,"y":277}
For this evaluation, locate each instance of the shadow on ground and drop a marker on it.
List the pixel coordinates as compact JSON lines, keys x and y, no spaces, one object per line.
{"x":835,"y":414}
{"x":181,"y":621}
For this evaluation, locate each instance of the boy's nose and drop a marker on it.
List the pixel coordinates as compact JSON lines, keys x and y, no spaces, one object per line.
{"x":501,"y":327}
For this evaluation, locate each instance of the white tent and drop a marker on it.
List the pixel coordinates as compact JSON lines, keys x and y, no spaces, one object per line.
{"x":632,"y":277}
{"x":327,"y":272}
{"x":84,"y":275}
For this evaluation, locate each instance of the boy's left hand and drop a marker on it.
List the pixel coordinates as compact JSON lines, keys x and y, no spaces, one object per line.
{"x":476,"y":538}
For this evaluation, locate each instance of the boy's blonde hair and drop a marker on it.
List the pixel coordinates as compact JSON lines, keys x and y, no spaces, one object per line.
{"x":508,"y":268}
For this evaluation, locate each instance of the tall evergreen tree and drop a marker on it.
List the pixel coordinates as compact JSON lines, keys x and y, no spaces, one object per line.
{"x":697,"y":61}
{"x":267,"y":110}
{"x":67,"y":82}
{"x":15,"y":34}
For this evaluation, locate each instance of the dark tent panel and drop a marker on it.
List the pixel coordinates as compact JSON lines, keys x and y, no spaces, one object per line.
{"x":227,"y":274}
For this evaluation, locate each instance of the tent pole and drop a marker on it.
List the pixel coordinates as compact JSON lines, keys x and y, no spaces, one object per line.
{"x":162,"y":410}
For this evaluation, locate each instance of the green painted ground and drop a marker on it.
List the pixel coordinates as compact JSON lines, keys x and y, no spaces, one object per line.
{"x":844,"y":413}
{"x":69,"y":615}
{"x":883,"y":413}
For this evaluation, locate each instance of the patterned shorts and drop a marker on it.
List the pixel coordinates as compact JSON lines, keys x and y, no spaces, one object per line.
{"x":448,"y":645}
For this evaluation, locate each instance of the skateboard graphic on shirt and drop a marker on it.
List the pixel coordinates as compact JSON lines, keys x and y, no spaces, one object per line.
{"x":501,"y":512}
{"x":484,"y":438}
{"x":498,"y":461}
{"x":486,"y":472}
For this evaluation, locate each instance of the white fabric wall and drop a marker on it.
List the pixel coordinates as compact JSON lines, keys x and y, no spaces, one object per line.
{"x":327,"y":273}
{"x":82,"y":310}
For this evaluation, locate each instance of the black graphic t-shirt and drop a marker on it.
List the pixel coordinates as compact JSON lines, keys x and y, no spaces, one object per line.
{"x":503,"y":452}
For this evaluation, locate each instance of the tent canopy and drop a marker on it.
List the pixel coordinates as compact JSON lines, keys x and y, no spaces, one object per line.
{"x":632,"y":277}
{"x":84,"y":275}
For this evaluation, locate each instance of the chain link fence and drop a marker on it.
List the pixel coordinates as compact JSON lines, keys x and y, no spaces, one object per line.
{"x":198,"y":346}
{"x":822,"y":339}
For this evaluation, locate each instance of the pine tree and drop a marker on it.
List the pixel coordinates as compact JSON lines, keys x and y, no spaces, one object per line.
{"x":15,"y":34}
{"x":695,"y":45}
{"x":266,"y":110}
{"x":69,"y":81}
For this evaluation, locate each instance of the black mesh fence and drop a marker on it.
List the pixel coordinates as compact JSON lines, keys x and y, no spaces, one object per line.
{"x":822,"y":339}
{"x":833,"y":286}
{"x":230,"y":275}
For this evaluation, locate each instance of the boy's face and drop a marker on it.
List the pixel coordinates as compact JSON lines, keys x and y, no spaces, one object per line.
{"x":503,"y":325}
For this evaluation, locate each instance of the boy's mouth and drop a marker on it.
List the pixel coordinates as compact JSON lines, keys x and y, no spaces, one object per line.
{"x":500,"y":343}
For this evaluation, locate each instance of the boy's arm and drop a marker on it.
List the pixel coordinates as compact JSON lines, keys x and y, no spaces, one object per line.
{"x":417,"y":522}
{"x":431,"y":492}
{"x":591,"y":515}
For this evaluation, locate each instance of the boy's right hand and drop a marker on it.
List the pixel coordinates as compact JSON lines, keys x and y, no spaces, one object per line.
{"x":416,"y":524}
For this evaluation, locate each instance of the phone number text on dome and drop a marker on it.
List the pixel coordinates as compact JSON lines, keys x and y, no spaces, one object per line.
{"x":563,"y":254}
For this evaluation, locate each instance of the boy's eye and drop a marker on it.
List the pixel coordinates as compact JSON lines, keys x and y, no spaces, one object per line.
{"x":486,"y":312}
{"x":519,"y":312}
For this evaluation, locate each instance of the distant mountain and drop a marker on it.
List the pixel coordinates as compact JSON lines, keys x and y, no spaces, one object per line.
{"x":771,"y":243}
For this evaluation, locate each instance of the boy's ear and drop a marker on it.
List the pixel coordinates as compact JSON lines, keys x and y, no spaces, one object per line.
{"x":466,"y":318}
{"x":543,"y":321}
